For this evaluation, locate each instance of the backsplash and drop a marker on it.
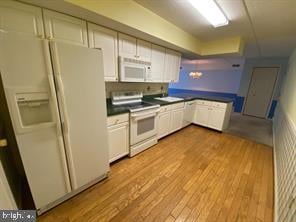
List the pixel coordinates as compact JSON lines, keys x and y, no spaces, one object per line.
{"x":146,"y":88}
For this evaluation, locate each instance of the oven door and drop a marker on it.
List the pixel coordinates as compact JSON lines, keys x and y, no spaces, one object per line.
{"x":132,"y":72}
{"x":143,"y":125}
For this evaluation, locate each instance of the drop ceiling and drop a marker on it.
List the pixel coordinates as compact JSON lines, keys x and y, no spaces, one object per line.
{"x":267,"y":26}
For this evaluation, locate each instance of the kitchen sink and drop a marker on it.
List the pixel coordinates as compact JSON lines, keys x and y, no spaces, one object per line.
{"x":169,"y":99}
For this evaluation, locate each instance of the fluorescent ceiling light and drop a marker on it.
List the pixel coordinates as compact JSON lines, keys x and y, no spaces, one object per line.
{"x":211,"y":11}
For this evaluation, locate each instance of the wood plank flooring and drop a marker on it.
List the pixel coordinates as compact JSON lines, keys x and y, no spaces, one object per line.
{"x":195,"y":174}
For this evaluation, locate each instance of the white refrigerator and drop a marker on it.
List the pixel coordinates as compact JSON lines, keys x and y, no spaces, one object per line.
{"x":56,"y":98}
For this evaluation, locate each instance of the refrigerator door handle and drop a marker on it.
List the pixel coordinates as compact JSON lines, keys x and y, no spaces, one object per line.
{"x":56,"y":112}
{"x":63,"y":103}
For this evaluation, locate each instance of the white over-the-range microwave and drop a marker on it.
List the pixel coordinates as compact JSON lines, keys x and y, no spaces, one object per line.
{"x":134,"y":70}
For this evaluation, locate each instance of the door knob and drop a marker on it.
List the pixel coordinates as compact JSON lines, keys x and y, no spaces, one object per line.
{"x":3,"y":143}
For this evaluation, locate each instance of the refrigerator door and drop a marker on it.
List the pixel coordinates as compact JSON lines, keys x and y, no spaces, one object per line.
{"x":81,"y":94}
{"x":25,"y":71}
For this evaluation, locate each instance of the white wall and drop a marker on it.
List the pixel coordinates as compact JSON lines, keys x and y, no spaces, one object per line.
{"x":284,"y":133}
{"x":288,"y":89}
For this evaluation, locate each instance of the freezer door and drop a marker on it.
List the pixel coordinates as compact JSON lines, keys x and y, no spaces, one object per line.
{"x":25,"y":71}
{"x":81,"y":94}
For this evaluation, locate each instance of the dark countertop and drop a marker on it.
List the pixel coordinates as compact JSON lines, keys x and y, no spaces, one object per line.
{"x":115,"y":110}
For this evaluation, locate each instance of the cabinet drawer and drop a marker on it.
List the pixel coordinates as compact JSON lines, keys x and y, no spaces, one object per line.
{"x":177,"y":106}
{"x":204,"y":102}
{"x":117,"y":119}
{"x":165,"y":108}
{"x":219,"y":105}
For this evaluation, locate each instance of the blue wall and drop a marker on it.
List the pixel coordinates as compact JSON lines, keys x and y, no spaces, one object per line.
{"x":221,"y":80}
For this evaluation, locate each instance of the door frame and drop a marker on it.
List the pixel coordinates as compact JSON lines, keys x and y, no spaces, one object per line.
{"x":273,"y":89}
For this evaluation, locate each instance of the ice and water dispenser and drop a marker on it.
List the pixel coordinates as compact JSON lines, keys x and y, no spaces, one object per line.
{"x":33,"y":111}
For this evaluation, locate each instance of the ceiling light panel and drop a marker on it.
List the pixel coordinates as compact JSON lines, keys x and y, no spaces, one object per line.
{"x":211,"y":11}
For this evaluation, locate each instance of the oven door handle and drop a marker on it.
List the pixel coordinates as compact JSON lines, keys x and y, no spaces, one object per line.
{"x":141,"y":116}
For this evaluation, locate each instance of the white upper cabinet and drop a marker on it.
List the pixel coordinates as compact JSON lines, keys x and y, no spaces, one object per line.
{"x":105,"y":39}
{"x":157,"y":63}
{"x":172,"y":66}
{"x":21,"y":18}
{"x":127,"y":46}
{"x":132,"y":47}
{"x":65,"y":28}
{"x":143,"y":50}
{"x":176,"y":73}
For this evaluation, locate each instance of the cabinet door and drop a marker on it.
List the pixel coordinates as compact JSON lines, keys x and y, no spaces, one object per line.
{"x":176,"y":119}
{"x":127,"y":46}
{"x":164,"y":124}
{"x":216,"y":118}
{"x":105,"y":39}
{"x":188,"y":113}
{"x":177,"y":64}
{"x":143,"y":50}
{"x":169,"y":66}
{"x":118,"y":141}
{"x":157,"y":63}
{"x":172,"y":66}
{"x":201,"y":115}
{"x":65,"y":28}
{"x":22,"y":18}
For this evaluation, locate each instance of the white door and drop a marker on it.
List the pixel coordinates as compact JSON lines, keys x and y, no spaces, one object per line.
{"x":127,"y":46}
{"x":260,"y":91}
{"x":164,"y":124}
{"x":81,"y":95}
{"x":65,"y":28}
{"x":144,"y":50}
{"x":118,"y":141}
{"x":21,"y":18}
{"x":25,"y":69}
{"x":216,"y":118}
{"x":157,"y":63}
{"x":176,"y":119}
{"x":201,"y":115}
{"x":105,"y":39}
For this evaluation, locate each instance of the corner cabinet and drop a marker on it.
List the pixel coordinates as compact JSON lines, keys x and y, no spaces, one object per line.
{"x":172,"y":66}
{"x":157,"y":63}
{"x":105,"y":39}
{"x":65,"y":28}
{"x":118,"y":136}
{"x":21,"y":18}
{"x":215,"y":115}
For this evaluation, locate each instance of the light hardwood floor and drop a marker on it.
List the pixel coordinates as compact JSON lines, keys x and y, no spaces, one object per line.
{"x":195,"y":174}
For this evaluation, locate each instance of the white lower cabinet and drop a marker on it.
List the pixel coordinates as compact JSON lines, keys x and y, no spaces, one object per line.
{"x":164,"y":124}
{"x":189,"y":112}
{"x":118,"y":135}
{"x":201,"y":115}
{"x":215,"y":115}
{"x":170,"y":119}
{"x":176,"y":119}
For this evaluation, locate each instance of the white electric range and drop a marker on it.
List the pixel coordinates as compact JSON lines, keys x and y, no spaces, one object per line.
{"x":143,"y":119}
